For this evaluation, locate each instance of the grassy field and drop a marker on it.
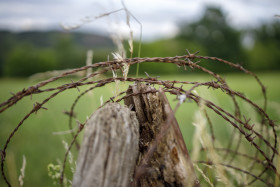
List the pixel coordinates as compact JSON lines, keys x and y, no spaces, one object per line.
{"x":38,"y":143}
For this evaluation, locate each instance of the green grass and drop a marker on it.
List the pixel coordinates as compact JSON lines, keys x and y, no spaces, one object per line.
{"x":40,"y":147}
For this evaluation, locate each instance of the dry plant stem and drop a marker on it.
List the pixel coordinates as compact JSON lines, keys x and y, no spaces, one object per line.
{"x":237,"y":115}
{"x":237,"y":146}
{"x":67,"y":152}
{"x":243,"y":155}
{"x":238,"y":169}
{"x":263,"y":114}
{"x":270,"y":162}
{"x":256,"y":155}
{"x":237,"y":109}
{"x":247,"y":72}
{"x":251,"y":158}
{"x":241,"y":131}
{"x":255,"y":179}
{"x":260,"y":110}
{"x":128,"y":15}
{"x":274,"y":150}
{"x":211,"y":126}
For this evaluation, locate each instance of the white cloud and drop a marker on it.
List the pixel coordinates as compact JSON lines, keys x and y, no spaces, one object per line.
{"x":159,"y":17}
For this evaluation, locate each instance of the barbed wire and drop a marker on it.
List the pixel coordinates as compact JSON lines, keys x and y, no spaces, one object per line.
{"x":264,"y":143}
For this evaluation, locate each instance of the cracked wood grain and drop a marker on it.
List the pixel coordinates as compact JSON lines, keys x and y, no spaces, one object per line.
{"x":109,"y":149}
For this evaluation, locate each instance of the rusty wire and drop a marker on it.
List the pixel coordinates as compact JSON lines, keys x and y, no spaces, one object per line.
{"x":242,"y":127}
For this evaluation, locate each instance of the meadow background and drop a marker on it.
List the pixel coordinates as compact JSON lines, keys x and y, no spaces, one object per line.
{"x":24,"y":54}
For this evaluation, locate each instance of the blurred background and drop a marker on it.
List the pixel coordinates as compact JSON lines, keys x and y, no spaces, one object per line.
{"x":32,"y":39}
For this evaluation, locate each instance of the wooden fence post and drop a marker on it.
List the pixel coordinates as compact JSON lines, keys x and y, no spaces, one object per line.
{"x":110,"y":148}
{"x":142,"y":148}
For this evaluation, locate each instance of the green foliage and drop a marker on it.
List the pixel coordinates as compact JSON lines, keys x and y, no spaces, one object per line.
{"x":25,"y":60}
{"x":163,"y":48}
{"x":264,"y":55}
{"x":23,"y":54}
{"x":68,"y":55}
{"x":218,"y":39}
{"x":54,"y":172}
{"x":268,"y":32}
{"x":216,"y":36}
{"x":6,"y":44}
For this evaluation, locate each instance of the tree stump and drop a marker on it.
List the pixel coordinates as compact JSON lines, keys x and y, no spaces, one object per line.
{"x":169,"y":163}
{"x":110,"y":148}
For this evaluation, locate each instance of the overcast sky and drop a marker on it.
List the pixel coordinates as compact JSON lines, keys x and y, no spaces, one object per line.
{"x":158,"y":17}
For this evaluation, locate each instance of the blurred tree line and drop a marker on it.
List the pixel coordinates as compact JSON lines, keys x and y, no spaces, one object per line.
{"x":24,"y":54}
{"x":256,"y":49}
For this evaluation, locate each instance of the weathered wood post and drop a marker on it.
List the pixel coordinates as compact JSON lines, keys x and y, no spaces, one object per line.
{"x":123,"y":149}
{"x":110,"y":148}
